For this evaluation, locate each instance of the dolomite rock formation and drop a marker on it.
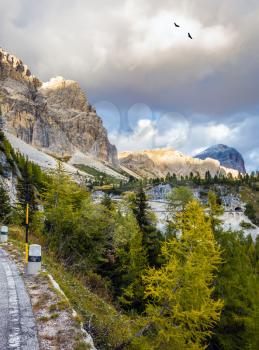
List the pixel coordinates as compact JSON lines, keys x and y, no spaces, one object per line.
{"x":55,"y":117}
{"x":228,"y":157}
{"x":13,"y":68}
{"x":159,"y":162}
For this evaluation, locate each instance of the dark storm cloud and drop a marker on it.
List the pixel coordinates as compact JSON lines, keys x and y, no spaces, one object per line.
{"x":127,"y":52}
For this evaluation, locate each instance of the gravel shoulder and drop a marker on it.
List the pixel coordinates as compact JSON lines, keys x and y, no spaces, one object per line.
{"x":58,"y":326}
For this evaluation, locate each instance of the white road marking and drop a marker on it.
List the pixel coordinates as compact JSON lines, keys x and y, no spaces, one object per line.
{"x":17,"y":316}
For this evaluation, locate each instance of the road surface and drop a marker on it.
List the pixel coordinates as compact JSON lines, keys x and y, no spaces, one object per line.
{"x":17,"y":324}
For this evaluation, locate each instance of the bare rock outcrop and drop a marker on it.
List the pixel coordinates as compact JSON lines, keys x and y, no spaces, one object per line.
{"x":12,"y":67}
{"x":55,"y":117}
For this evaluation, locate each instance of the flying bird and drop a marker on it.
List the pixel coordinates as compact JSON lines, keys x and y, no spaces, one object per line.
{"x":189,"y":35}
{"x":176,"y":25}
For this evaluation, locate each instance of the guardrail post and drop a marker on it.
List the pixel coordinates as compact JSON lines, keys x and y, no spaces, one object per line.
{"x":34,"y":259}
{"x":4,"y":234}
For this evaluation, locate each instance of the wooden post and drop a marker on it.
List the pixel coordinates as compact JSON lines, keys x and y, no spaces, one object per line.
{"x":27,"y":234}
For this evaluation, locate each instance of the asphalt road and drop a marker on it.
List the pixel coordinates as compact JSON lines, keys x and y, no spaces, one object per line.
{"x":17,"y":324}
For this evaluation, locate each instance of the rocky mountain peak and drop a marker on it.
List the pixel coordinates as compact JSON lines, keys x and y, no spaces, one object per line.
{"x":55,"y":116}
{"x":12,"y":67}
{"x":65,"y":93}
{"x":228,"y":157}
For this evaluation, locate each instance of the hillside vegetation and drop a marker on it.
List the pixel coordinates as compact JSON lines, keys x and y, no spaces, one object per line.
{"x":194,"y":288}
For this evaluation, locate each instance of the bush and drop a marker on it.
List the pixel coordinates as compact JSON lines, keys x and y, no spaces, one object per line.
{"x":250,"y":212}
{"x":246,"y":225}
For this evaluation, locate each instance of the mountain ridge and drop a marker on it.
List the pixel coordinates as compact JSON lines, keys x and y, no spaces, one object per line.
{"x":228,"y":157}
{"x":159,"y":162}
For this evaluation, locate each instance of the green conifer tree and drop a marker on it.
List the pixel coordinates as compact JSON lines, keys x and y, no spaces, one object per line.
{"x":237,"y":284}
{"x":181,"y":311}
{"x":151,"y":236}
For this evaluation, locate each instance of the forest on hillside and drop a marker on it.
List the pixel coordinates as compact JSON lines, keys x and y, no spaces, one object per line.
{"x":193,"y":287}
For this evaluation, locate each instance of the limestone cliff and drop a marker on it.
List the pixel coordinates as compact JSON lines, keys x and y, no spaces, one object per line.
{"x":55,"y":117}
{"x":159,"y":162}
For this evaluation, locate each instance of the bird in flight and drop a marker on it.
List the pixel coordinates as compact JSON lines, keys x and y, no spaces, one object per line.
{"x":177,"y":26}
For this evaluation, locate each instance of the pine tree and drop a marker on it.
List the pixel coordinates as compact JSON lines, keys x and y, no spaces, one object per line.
{"x":250,"y":212}
{"x":151,"y":236}
{"x":79,"y":231}
{"x":107,"y":202}
{"x":237,"y":284}
{"x":181,"y":311}
{"x":178,"y":199}
{"x":216,"y":209}
{"x":208,"y":178}
{"x":132,"y":264}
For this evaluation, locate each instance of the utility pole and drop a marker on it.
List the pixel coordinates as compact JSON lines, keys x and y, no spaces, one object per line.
{"x":27,"y":234}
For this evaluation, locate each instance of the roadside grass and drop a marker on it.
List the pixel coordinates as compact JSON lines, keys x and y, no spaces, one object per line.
{"x":107,"y":325}
{"x":81,"y":346}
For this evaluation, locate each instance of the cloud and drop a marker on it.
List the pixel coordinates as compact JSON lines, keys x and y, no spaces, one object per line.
{"x":139,"y":139}
{"x":175,"y":131}
{"x":129,"y":53}
{"x":114,"y":47}
{"x":169,"y":130}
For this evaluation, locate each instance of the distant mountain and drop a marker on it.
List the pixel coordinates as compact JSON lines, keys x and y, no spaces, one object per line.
{"x":159,"y":162}
{"x":228,"y":157}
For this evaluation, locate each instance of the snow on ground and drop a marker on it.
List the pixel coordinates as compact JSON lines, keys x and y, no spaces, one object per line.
{"x":42,"y":159}
{"x":87,"y":159}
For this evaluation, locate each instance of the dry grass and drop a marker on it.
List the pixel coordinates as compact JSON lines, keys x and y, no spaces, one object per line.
{"x":57,"y":327}
{"x":108,"y":326}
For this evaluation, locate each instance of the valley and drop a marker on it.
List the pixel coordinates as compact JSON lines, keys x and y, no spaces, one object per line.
{"x":154,"y":249}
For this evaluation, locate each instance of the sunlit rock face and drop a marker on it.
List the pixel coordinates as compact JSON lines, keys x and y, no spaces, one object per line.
{"x":13,"y":68}
{"x":54,"y":116}
{"x":227,"y":156}
{"x":160,"y":162}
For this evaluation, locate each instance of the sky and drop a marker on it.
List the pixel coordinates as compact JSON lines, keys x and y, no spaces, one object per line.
{"x":151,"y":84}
